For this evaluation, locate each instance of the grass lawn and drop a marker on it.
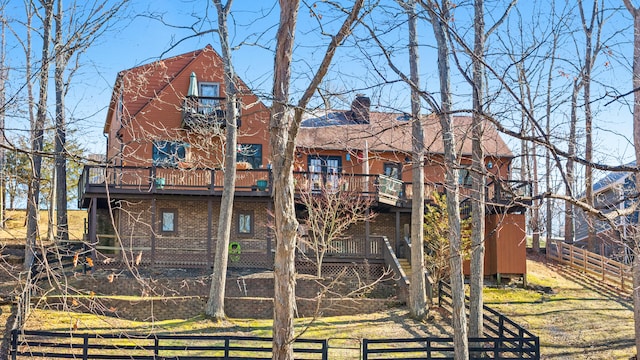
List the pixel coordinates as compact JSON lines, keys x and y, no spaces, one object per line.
{"x":579,"y":320}
{"x":15,"y":230}
{"x":343,"y":332}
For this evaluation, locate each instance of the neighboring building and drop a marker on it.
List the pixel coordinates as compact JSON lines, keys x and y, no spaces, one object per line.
{"x":613,"y":192}
{"x":160,"y":190}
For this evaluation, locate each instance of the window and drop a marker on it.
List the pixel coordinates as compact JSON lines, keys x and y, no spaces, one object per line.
{"x":168,"y":220}
{"x":325,"y":171}
{"x":393,"y":170}
{"x":169,"y":153}
{"x":245,"y":222}
{"x":464,"y":177}
{"x":250,"y":153}
{"x":208,"y":94}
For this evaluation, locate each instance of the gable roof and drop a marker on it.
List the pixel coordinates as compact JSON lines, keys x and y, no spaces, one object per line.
{"x":611,"y":179}
{"x":148,"y":80}
{"x":391,"y":132}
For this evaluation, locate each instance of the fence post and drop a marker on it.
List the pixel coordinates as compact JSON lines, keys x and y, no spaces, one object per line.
{"x":365,"y":349}
{"x":156,"y":345}
{"x":226,"y":347}
{"x":521,"y":341}
{"x":85,"y":347}
{"x":571,"y":255}
{"x":325,"y":349}
{"x":14,"y":344}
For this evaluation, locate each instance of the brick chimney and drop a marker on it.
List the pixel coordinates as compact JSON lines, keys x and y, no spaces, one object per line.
{"x":360,"y":109}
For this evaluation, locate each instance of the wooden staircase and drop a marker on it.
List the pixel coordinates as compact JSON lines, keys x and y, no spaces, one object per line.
{"x":406,"y":267}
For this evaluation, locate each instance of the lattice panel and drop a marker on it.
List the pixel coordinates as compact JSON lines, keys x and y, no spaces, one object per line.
{"x":251,"y":260}
{"x":364,"y":270}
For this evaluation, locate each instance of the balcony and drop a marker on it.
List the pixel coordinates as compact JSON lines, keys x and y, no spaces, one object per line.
{"x":205,"y":112}
{"x":102,"y":181}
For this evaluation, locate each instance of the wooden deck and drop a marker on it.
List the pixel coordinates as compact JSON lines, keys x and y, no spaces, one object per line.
{"x":126,"y":181}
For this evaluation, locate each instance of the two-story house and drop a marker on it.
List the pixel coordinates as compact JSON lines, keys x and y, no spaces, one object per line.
{"x":614,"y":191}
{"x":157,"y":199}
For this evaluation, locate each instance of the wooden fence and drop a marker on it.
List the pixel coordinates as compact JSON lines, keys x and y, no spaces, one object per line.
{"x":58,"y":345}
{"x":606,"y":269}
{"x":503,"y":339}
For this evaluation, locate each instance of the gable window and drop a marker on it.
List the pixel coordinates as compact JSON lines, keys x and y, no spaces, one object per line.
{"x":393,"y":170}
{"x":464,"y":177}
{"x":209,"y":92}
{"x":169,"y":153}
{"x":250,"y":153}
{"x":168,"y":220}
{"x":245,"y":222}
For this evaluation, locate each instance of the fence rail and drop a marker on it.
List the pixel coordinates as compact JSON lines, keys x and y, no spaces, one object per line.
{"x":604,"y":268}
{"x":57,"y":345}
{"x":504,"y":339}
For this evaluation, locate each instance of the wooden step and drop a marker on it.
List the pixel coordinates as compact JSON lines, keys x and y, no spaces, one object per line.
{"x":406,"y":267}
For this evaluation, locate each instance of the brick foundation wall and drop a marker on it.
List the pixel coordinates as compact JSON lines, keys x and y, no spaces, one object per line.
{"x":235,"y":307}
{"x":246,"y":297}
{"x":260,"y":286}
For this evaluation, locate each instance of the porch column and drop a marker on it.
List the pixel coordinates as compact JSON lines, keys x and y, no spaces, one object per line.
{"x":93,"y":222}
{"x":209,"y":232}
{"x":269,"y":230}
{"x":153,"y":231}
{"x":398,"y":239}
{"x":367,"y":226}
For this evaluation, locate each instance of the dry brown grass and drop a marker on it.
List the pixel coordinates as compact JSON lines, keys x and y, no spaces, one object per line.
{"x":343,"y":332}
{"x":15,"y":230}
{"x":581,"y":319}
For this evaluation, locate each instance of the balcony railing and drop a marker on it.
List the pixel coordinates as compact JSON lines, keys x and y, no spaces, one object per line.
{"x":258,"y":182}
{"x":203,"y":112}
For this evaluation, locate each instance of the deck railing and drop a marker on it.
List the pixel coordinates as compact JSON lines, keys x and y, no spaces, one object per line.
{"x":156,"y":179}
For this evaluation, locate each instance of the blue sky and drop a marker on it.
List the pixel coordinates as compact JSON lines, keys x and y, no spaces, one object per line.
{"x":138,"y":39}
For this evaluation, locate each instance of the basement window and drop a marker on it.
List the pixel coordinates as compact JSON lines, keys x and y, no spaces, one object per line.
{"x":168,"y":220}
{"x":245,"y":223}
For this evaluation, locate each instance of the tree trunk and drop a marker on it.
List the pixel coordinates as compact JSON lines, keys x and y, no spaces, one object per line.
{"x":60,"y":182}
{"x":590,"y":55}
{"x":569,"y":227}
{"x":478,"y":179}
{"x":461,"y":345}
{"x":635,"y":12}
{"x":215,"y":304}
{"x":286,"y":224}
{"x":417,"y":289}
{"x":283,"y":129}
{"x":37,"y":132}
{"x":4,"y":74}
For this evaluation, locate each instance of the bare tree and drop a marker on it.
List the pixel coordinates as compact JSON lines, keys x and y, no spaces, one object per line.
{"x":84,"y":24}
{"x":215,"y":304}
{"x":329,"y":214}
{"x":37,"y":135}
{"x":4,"y":75}
{"x":283,"y":128}
{"x":440,"y":17}
{"x":592,"y":48}
{"x":635,"y":13}
{"x":417,"y":291}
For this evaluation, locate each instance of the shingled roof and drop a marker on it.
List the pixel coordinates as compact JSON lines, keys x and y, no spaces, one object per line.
{"x":334,"y":130}
{"x":149,"y":80}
